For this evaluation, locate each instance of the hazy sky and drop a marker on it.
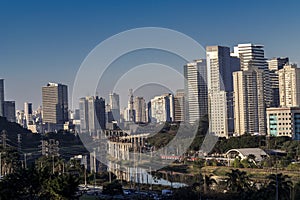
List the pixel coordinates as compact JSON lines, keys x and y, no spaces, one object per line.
{"x":42,"y":41}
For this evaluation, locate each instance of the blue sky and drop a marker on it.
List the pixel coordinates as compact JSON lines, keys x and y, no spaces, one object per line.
{"x":42,"y":41}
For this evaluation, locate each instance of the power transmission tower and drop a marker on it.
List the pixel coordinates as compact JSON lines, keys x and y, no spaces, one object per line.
{"x":19,"y":142}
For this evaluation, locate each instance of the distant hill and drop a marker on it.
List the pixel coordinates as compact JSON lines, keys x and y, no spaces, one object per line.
{"x":12,"y":128}
{"x":69,"y":144}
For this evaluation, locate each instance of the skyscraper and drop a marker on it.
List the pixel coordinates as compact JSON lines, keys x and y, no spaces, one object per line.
{"x":84,"y":116}
{"x":289,"y":82}
{"x":100,"y":111}
{"x":252,"y":55}
{"x":92,"y":114}
{"x":179,"y":106}
{"x":162,"y":108}
{"x":274,"y":65}
{"x":129,"y":112}
{"x":249,"y":107}
{"x":55,"y":105}
{"x":28,"y":113}
{"x":139,"y":106}
{"x":114,"y":102}
{"x":195,"y":83}
{"x":1,"y":97}
{"x":220,"y":66}
{"x":9,"y":111}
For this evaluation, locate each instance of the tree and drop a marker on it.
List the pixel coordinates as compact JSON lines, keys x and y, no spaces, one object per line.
{"x":237,"y":162}
{"x":113,"y":188}
{"x":38,"y":183}
{"x":208,"y":182}
{"x":10,"y":161}
{"x":238,"y":181}
{"x":283,"y":183}
{"x":185,"y":193}
{"x":297,"y":191}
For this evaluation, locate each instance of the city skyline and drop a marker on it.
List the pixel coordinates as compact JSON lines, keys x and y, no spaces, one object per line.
{"x":52,"y":39}
{"x":150,"y":99}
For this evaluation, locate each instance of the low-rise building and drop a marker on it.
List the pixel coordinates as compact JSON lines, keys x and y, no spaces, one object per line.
{"x":284,"y":121}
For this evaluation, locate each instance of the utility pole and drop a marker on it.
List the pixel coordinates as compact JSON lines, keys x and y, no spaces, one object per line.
{"x":25,"y":160}
{"x":85,"y":176}
{"x":52,"y":164}
{"x":109,"y":172}
{"x":95,"y":171}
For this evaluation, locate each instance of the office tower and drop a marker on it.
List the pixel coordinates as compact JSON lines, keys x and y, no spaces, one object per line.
{"x":9,"y":111}
{"x":289,"y":82}
{"x":276,"y":64}
{"x":249,"y":107}
{"x":139,"y":106}
{"x":284,"y":121}
{"x":92,"y":114}
{"x":195,"y":86}
{"x":179,"y":106}
{"x":84,"y":115}
{"x":109,"y":114}
{"x":162,"y":108}
{"x":55,"y":105}
{"x":252,"y":55}
{"x":1,"y":97}
{"x":100,"y":111}
{"x":148,"y":112}
{"x":20,"y":118}
{"x":28,"y":113}
{"x":114,"y":102}
{"x":220,"y":66}
{"x":129,"y":112}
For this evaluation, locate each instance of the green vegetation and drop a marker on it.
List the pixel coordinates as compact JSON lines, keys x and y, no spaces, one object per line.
{"x":238,"y":185}
{"x":46,"y":180}
{"x":113,"y":188}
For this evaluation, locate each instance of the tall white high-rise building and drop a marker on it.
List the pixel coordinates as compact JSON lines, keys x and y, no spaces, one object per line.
{"x":162,"y":108}
{"x":179,"y":106}
{"x":274,"y":65}
{"x":129,"y":112}
{"x":250,"y":55}
{"x":92,"y":114}
{"x":249,"y":107}
{"x":195,"y":86}
{"x":253,"y":55}
{"x":220,"y":66}
{"x":139,"y":106}
{"x":114,"y":102}
{"x":289,"y":82}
